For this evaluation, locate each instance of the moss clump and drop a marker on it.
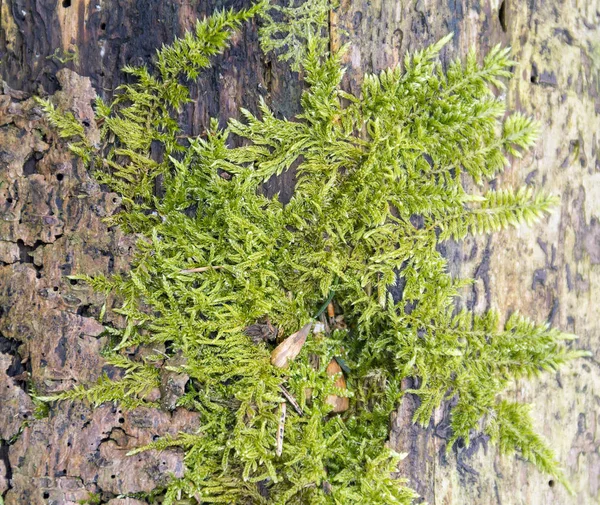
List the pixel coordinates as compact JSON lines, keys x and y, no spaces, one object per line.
{"x":379,"y":186}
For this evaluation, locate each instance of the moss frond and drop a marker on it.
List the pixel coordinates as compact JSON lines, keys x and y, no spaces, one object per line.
{"x":379,"y":185}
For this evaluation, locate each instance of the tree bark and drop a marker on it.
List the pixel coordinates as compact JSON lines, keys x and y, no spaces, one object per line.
{"x":51,"y":226}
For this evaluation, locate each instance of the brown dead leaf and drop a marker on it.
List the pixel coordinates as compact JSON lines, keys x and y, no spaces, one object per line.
{"x":339,"y":403}
{"x":290,"y":347}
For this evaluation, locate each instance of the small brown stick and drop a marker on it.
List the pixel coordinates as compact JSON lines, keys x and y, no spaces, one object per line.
{"x":281,"y":428}
{"x":200,"y":269}
{"x":331,"y":310}
{"x":291,"y":399}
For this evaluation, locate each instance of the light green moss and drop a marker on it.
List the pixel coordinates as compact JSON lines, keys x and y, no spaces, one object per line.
{"x":367,"y":166}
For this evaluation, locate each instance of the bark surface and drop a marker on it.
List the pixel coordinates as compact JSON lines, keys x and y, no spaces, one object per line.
{"x":51,"y":225}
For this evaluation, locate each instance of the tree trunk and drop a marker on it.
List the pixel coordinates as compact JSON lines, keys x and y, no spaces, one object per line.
{"x":51,"y":226}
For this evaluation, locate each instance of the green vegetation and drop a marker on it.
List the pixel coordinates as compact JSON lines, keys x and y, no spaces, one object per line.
{"x":379,"y":186}
{"x":65,"y":56}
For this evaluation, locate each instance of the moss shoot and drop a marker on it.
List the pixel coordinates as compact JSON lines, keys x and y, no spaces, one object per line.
{"x":223,"y":273}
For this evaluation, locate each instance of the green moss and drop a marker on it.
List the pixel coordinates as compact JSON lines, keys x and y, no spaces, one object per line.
{"x":379,"y":186}
{"x":65,"y":56}
{"x":93,"y":499}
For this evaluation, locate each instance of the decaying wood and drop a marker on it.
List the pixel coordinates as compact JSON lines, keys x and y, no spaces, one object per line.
{"x":51,"y":225}
{"x":262,"y":332}
{"x":172,"y":381}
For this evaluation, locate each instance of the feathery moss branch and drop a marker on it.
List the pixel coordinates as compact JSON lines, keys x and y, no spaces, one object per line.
{"x":379,"y":186}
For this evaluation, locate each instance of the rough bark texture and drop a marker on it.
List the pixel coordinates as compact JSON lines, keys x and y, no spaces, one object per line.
{"x":51,"y":225}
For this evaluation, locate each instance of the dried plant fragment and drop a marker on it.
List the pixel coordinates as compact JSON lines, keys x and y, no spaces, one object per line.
{"x":199,"y":270}
{"x":339,"y":403}
{"x":292,"y":400}
{"x":290,"y":347}
{"x":281,"y":427}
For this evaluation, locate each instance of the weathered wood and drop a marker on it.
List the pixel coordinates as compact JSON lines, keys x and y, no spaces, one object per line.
{"x":549,"y":272}
{"x":51,"y":226}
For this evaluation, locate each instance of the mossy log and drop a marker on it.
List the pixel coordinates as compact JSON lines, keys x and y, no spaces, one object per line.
{"x":51,"y":226}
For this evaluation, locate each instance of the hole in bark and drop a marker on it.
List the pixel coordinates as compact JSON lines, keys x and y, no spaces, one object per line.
{"x":60,"y":177}
{"x":121,"y":420}
{"x":46,"y":496}
{"x":535,"y":76}
{"x":9,"y":200}
{"x":73,"y":282}
{"x":102,"y":26}
{"x":26,"y":251}
{"x":5,"y":460}
{"x":112,"y":476}
{"x":66,"y":3}
{"x":502,"y":15}
{"x":551,"y":483}
{"x":85,"y":310}
{"x":11,"y":347}
{"x":29,"y":166}
{"x":55,"y":288}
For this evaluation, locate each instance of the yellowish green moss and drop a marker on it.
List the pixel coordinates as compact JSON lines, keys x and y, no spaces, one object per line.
{"x":379,"y":186}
